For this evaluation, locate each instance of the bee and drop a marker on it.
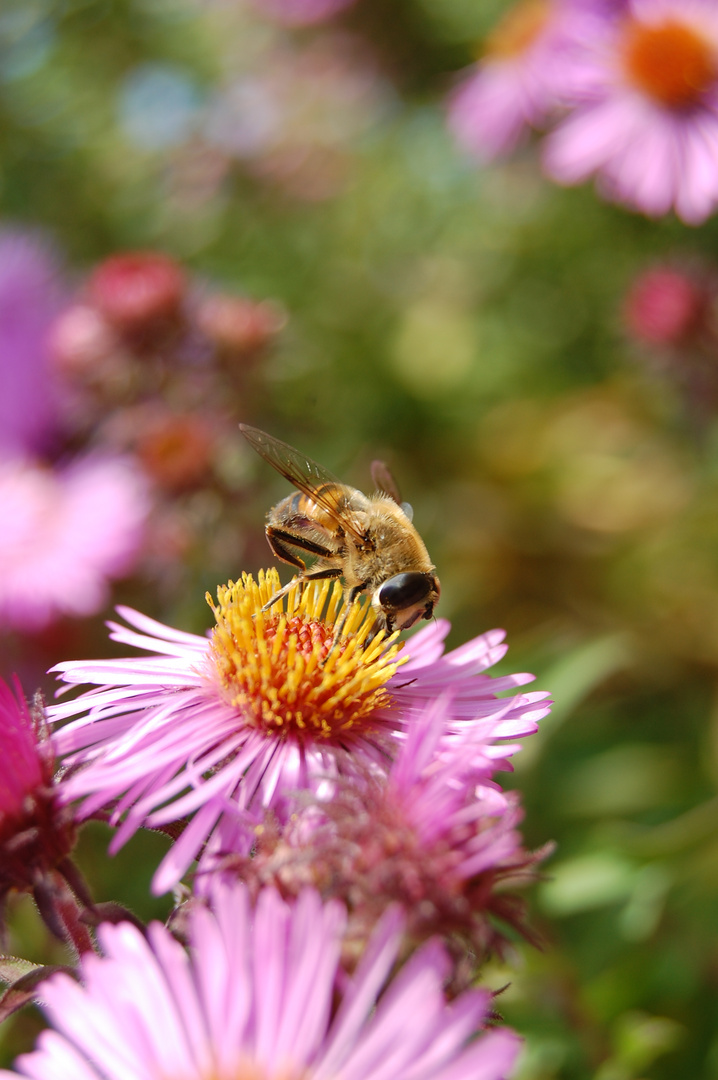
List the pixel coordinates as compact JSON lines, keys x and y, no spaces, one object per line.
{"x":367,"y":540}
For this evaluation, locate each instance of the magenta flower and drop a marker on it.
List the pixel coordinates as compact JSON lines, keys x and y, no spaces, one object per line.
{"x":37,"y":832}
{"x":65,"y":533}
{"x":264,"y":707}
{"x":646,"y":110}
{"x":27,"y":761}
{"x":30,"y":296}
{"x":261,"y":993}
{"x":526,"y":71}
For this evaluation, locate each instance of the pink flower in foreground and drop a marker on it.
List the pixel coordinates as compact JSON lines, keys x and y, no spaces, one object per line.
{"x":261,"y":994}
{"x":65,"y":533}
{"x":265,"y":707}
{"x":524,"y":74}
{"x":435,"y":835}
{"x":646,"y":116}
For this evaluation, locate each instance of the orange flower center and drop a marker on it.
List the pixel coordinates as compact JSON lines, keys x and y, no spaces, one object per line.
{"x":284,"y":670}
{"x":518,"y":29}
{"x":670,"y":62}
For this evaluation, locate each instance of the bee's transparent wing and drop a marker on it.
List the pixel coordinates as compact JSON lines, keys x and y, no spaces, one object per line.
{"x":312,"y":479}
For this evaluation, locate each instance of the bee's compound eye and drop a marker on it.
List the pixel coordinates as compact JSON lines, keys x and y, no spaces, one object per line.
{"x":405,"y":591}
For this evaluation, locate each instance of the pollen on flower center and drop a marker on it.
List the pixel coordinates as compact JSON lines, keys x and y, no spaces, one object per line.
{"x":670,"y":62}
{"x":279,"y":668}
{"x":518,"y":29}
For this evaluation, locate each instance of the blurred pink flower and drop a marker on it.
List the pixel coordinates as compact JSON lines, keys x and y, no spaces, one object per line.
{"x":237,"y":721}
{"x":295,"y":119}
{"x":65,"y":533}
{"x":30,"y":297}
{"x":526,"y":71}
{"x":667,"y":306}
{"x":262,"y":994}
{"x":646,"y":110}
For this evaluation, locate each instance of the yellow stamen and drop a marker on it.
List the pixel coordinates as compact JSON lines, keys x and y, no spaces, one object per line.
{"x":279,"y":666}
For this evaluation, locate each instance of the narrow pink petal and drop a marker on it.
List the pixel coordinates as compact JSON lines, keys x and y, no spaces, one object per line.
{"x":314,"y":956}
{"x":185,"y":849}
{"x":492,"y":1056}
{"x":222,"y":947}
{"x":361,"y":994}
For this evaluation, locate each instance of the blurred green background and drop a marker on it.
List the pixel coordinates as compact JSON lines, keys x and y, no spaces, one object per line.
{"x":466,"y":325}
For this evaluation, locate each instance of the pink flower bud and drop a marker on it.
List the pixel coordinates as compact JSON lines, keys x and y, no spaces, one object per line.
{"x":138,"y":288}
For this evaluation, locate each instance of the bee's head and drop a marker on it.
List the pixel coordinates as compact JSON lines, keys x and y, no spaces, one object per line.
{"x":406,"y":598}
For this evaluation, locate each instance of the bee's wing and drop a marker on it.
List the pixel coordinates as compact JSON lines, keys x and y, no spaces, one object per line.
{"x":312,"y":479}
{"x":384,"y":481}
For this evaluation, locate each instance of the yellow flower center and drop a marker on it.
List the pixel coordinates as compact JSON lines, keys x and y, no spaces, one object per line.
{"x":281,"y":668}
{"x":518,"y":30}
{"x":669,"y":62}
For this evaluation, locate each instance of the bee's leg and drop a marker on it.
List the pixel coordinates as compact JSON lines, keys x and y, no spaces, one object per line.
{"x":321,"y":575}
{"x":279,"y":542}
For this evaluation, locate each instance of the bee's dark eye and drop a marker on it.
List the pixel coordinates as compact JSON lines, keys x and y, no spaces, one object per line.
{"x":404,"y":591}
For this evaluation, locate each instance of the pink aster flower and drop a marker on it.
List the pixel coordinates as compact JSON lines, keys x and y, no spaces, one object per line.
{"x":525,"y":73}
{"x":261,"y":993}
{"x":435,"y":835}
{"x":267,"y":705}
{"x":441,"y":788}
{"x":646,"y":116}
{"x":65,"y":533}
